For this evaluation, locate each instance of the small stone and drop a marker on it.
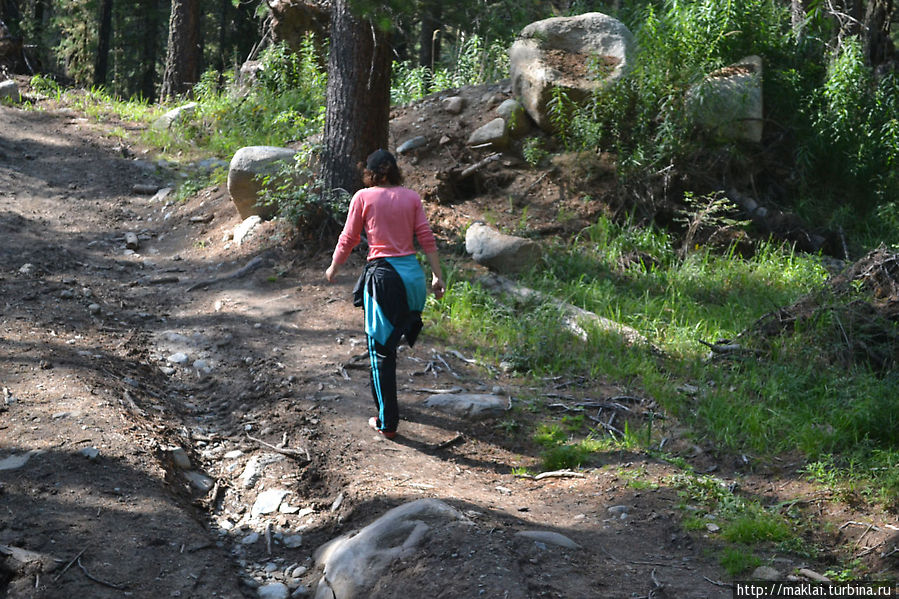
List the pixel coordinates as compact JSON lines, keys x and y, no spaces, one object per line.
{"x":454,"y":104}
{"x":178,"y":358}
{"x":91,"y":453}
{"x":541,"y":537}
{"x":288,"y":509}
{"x":766,"y":573}
{"x":275,"y":590}
{"x":27,"y":268}
{"x":712,"y":527}
{"x":201,"y":482}
{"x":617,"y":510}
{"x":293,"y":541}
{"x":94,"y":308}
{"x":301,"y":591}
{"x":233,"y":454}
{"x":412,"y":144}
{"x":250,"y":538}
{"x":66,"y":294}
{"x":268,"y":501}
{"x":299,"y":571}
{"x":180,"y":458}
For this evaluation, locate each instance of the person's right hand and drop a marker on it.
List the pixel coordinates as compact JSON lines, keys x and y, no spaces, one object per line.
{"x":438,"y":287}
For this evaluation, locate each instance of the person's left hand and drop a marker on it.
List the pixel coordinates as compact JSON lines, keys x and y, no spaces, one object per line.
{"x":331,"y":273}
{"x":438,"y":286}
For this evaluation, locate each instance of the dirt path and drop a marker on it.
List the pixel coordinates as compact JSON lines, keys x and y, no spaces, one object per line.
{"x":114,"y":374}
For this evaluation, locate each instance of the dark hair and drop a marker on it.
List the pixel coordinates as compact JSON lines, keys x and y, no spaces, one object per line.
{"x":381,"y":169}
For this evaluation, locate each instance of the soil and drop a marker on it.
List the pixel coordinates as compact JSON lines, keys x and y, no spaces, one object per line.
{"x":98,"y":400}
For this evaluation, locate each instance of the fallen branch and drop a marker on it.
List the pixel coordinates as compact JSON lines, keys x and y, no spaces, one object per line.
{"x":479,"y":165}
{"x":573,"y":317}
{"x":459,"y":437}
{"x":98,"y":580}
{"x":559,"y":474}
{"x":69,"y":565}
{"x":292,"y":453}
{"x":240,"y":272}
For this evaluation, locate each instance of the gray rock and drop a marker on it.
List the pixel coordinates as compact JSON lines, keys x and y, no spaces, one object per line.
{"x":268,"y":502}
{"x":14,"y":462}
{"x":353,"y":564}
{"x":242,"y":230}
{"x":515,"y":116}
{"x":412,"y":144}
{"x":94,"y":309}
{"x":495,"y":134}
{"x":178,"y":358}
{"x":454,"y":104}
{"x":617,"y":510}
{"x":535,"y":69}
{"x":247,"y":168}
{"x":199,"y":481}
{"x":180,"y":458}
{"x":174,"y":116}
{"x":10,"y":91}
{"x":729,"y":101}
{"x":250,"y":538}
{"x":293,"y":541}
{"x":91,"y":453}
{"x":301,"y":591}
{"x":766,"y":573}
{"x":500,"y":252}
{"x":469,"y":405}
{"x":548,"y":537}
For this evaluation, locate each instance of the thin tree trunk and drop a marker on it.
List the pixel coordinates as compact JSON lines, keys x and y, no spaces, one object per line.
{"x":798,"y":15}
{"x":149,"y":51}
{"x":429,"y":38}
{"x":182,"y":63}
{"x":878,"y":46}
{"x":358,"y":97}
{"x":101,"y":66}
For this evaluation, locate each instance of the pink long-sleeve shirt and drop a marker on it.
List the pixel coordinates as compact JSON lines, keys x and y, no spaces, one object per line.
{"x":391,"y":217}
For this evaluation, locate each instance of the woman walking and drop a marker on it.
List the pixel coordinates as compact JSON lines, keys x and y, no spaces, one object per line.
{"x":392,"y":287}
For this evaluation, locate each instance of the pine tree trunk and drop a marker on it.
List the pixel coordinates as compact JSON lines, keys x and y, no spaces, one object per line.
{"x":149,"y":16}
{"x":878,"y":46}
{"x":182,"y":63}
{"x":358,"y":98}
{"x":429,"y":38}
{"x":798,"y":14}
{"x":101,"y":65}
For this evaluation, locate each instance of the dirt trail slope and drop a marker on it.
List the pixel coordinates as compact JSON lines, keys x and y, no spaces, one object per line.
{"x":144,"y":419}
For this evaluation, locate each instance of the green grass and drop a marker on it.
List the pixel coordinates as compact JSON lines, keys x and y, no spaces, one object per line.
{"x":793,"y":396}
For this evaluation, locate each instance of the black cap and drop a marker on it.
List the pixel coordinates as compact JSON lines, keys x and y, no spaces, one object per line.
{"x":380,"y":161}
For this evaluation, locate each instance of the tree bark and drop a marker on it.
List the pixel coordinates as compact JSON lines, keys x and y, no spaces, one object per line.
{"x":149,"y":50}
{"x":798,"y":14}
{"x":182,"y":63}
{"x":358,"y":98}
{"x":429,"y":38}
{"x":101,"y":65}
{"x":877,"y":44}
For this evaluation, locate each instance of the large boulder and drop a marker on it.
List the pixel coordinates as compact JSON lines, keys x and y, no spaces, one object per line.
{"x":352,"y":565}
{"x":561,"y":53}
{"x":728,"y":102}
{"x":498,"y":251}
{"x":246,"y":173}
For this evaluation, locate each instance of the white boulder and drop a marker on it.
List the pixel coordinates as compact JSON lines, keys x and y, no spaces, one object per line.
{"x":559,"y":52}
{"x":246,"y":172}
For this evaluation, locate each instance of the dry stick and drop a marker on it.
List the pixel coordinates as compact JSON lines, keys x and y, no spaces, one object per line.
{"x":99,"y":581}
{"x":247,"y":268}
{"x":293,"y":453}
{"x":69,"y":565}
{"x":474,"y":167}
{"x":453,"y":441}
{"x":439,"y":357}
{"x":560,"y":474}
